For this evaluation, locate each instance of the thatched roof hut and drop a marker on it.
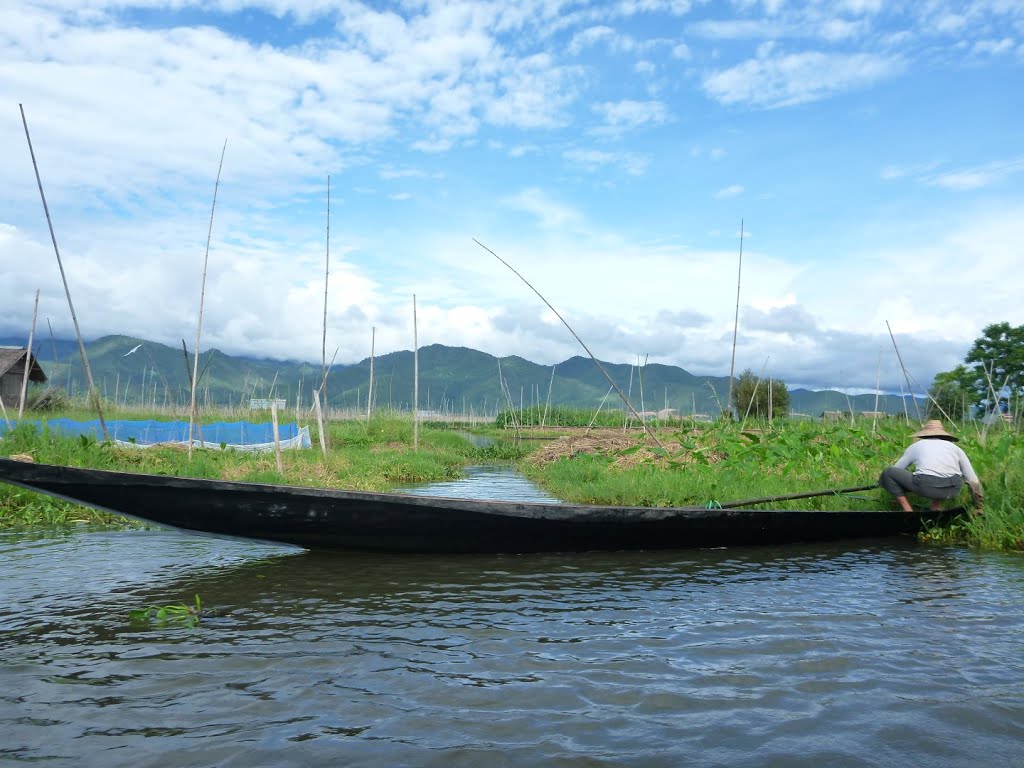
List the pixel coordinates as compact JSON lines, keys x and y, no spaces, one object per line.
{"x":12,"y":372}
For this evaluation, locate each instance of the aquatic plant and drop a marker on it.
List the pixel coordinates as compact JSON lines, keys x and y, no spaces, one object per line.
{"x":173,"y":614}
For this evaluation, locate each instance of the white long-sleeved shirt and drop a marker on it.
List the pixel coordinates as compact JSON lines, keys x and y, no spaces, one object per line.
{"x":938,"y":457}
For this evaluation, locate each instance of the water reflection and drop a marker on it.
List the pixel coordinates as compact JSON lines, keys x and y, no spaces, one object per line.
{"x":486,"y":482}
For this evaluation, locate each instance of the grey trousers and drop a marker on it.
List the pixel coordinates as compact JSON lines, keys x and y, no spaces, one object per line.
{"x":900,"y":482}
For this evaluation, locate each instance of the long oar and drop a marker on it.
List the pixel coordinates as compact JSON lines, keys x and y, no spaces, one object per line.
{"x":808,"y":495}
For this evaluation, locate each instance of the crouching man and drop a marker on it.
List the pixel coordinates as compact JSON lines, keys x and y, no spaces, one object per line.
{"x":940,"y":470}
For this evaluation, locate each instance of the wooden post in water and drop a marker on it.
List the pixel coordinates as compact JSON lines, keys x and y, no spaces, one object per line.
{"x":93,"y":394}
{"x":28,"y":359}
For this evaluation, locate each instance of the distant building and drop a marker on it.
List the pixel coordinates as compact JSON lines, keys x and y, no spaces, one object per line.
{"x":12,"y":373}
{"x":264,"y":404}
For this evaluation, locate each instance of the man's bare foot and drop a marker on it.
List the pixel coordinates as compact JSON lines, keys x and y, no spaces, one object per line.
{"x":936,"y":506}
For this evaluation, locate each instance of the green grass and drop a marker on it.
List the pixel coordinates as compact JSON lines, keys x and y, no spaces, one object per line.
{"x":720,"y":463}
{"x":374,"y":456}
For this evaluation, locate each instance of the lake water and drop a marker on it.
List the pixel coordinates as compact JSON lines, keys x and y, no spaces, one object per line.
{"x":878,"y":653}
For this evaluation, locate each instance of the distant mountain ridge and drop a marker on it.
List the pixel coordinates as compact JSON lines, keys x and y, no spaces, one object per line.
{"x":451,"y":379}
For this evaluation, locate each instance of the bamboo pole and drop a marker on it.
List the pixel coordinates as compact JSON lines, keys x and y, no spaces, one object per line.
{"x":735,"y":327}
{"x":28,"y":360}
{"x":753,"y":397}
{"x":327,"y":273}
{"x":878,"y":381}
{"x":415,"y":381}
{"x":547,"y":403}
{"x":808,"y":495}
{"x":576,"y":336}
{"x":369,"y":397}
{"x":3,"y":409}
{"x":202,"y":297}
{"x":320,"y":421}
{"x":277,"y":437}
{"x":905,"y":374}
{"x":67,"y":292}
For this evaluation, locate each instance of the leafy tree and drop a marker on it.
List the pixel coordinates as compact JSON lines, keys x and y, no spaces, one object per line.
{"x":952,"y":393}
{"x":766,"y":398}
{"x":993,"y":369}
{"x":998,"y":360}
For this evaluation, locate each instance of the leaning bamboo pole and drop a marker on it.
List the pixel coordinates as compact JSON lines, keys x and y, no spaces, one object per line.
{"x":28,"y":359}
{"x":576,"y":336}
{"x":906,"y":375}
{"x":202,"y":297}
{"x":93,"y":394}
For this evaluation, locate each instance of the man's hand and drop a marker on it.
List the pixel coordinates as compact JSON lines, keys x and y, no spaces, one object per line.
{"x":978,"y":496}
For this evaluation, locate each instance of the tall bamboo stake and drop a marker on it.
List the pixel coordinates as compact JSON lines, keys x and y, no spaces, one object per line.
{"x":327,"y":273}
{"x":277,"y":437}
{"x":93,"y":394}
{"x":28,"y":359}
{"x":735,"y":327}
{"x":547,"y":403}
{"x":576,"y":336}
{"x":878,"y":381}
{"x":415,"y":381}
{"x":202,"y":297}
{"x":369,"y":397}
{"x":320,"y":422}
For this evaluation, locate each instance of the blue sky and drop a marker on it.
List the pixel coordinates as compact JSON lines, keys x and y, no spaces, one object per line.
{"x":608,"y":151}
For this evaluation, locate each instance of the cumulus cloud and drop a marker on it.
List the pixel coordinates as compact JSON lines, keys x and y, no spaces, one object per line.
{"x":779,"y":80}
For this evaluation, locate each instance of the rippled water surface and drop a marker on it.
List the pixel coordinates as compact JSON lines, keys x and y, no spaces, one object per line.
{"x":867,"y":654}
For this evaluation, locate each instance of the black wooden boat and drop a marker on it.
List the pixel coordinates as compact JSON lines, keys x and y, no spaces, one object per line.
{"x":394,"y":522}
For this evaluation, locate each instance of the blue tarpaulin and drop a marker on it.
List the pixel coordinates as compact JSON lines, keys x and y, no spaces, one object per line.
{"x":240,"y":435}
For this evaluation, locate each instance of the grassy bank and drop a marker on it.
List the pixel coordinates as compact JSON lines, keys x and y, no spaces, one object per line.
{"x":698,"y":465}
{"x":717,"y":463}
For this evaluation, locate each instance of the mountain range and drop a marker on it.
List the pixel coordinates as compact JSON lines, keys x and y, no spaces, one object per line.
{"x":132,"y":370}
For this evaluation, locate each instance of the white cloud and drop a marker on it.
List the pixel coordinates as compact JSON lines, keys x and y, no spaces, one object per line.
{"x":789,"y":79}
{"x":627,"y":115}
{"x":978,"y":177}
{"x":732,"y":191}
{"x":548,"y":213}
{"x":593,"y":160}
{"x":994,"y":47}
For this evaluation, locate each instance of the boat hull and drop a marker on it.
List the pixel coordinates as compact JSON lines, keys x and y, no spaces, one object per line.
{"x":388,"y":522}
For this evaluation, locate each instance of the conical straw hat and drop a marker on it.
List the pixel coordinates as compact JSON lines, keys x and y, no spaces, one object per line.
{"x":934,"y":428}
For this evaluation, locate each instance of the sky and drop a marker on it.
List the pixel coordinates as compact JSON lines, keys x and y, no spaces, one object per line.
{"x":854,"y":167}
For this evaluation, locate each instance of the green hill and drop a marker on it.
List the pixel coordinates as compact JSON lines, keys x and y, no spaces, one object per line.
{"x":451,"y":379}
